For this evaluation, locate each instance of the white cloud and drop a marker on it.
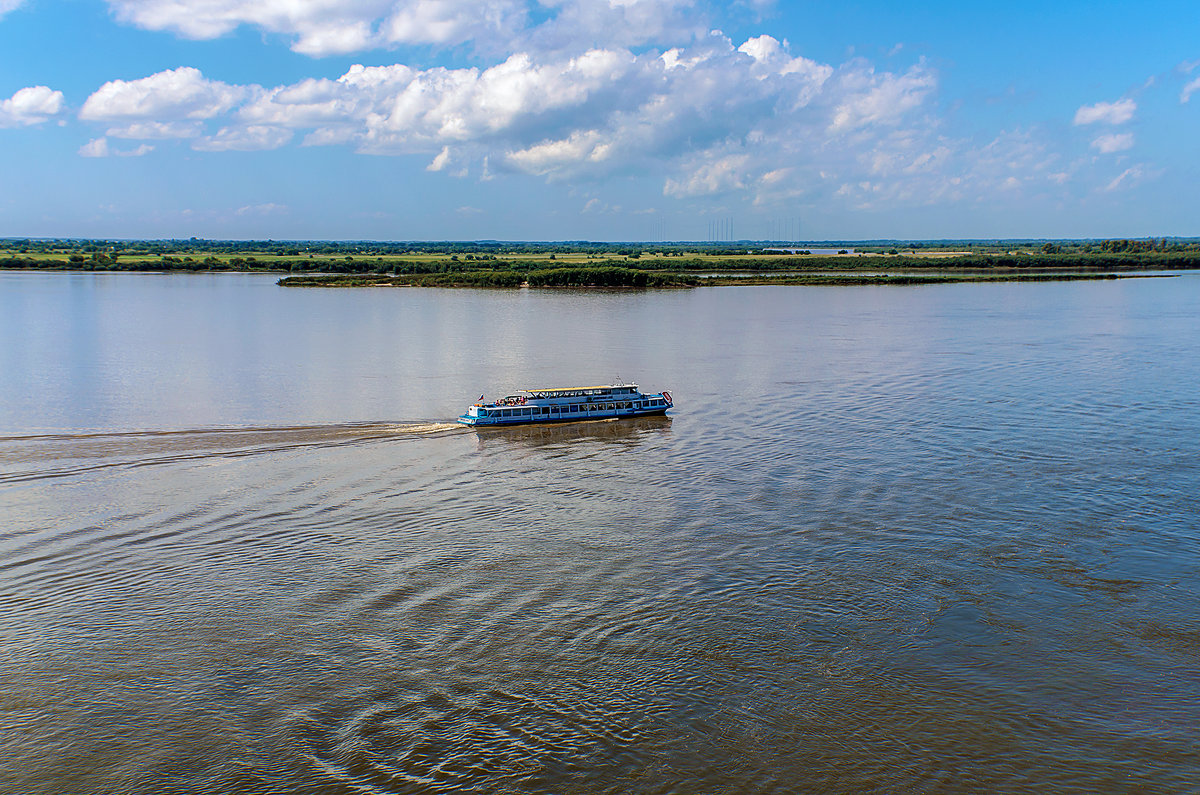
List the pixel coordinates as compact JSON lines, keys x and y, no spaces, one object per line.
{"x":714,"y":116}
{"x":710,"y":176}
{"x":9,"y":5}
{"x":772,"y":60}
{"x":1117,"y":112}
{"x":708,"y":118}
{"x":1127,"y":178}
{"x":172,"y":95}
{"x":329,"y":27}
{"x":880,"y":99}
{"x":99,"y":148}
{"x":94,"y":148}
{"x":32,"y":105}
{"x":157,"y":130}
{"x":270,"y":208}
{"x":548,"y":157}
{"x":1189,"y":89}
{"x":1114,"y":142}
{"x":445,"y":22}
{"x":250,"y":138}
{"x":439,"y":163}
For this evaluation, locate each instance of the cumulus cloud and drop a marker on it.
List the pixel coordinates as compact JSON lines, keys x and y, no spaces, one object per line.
{"x":710,"y":117}
{"x":1115,"y":142}
{"x":1117,"y":112}
{"x":32,"y":105}
{"x":173,"y":95}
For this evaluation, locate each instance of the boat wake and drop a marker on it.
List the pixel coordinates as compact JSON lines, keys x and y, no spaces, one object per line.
{"x":42,"y":456}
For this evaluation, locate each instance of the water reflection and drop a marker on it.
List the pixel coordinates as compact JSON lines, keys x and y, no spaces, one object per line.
{"x":622,"y":431}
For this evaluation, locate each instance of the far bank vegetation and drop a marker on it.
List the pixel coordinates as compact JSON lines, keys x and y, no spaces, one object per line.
{"x":493,"y":264}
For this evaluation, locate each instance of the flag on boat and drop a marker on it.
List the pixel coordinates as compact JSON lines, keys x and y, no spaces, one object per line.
{"x":480,"y":399}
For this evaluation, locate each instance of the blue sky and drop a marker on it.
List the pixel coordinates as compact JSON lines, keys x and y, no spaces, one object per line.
{"x":598,"y":119}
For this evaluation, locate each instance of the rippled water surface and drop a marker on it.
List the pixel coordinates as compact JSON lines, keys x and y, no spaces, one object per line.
{"x":939,"y":538}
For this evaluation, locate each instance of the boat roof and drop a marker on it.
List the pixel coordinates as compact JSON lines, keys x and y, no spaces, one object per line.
{"x":552,"y":390}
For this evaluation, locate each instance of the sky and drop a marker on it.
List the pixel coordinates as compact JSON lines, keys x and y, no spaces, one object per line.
{"x":621,"y":120}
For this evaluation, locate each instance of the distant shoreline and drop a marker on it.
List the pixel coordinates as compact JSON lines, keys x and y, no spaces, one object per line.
{"x":507,"y":266}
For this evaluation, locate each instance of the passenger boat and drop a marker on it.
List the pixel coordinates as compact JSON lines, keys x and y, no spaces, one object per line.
{"x":567,"y":404}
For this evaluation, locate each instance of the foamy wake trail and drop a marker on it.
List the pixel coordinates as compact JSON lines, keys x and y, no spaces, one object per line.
{"x":36,"y":457}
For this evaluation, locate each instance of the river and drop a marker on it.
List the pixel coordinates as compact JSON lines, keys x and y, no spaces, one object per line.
{"x":890,"y":539}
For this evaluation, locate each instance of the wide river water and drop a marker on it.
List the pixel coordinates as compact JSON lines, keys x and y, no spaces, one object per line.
{"x":891,"y":539}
